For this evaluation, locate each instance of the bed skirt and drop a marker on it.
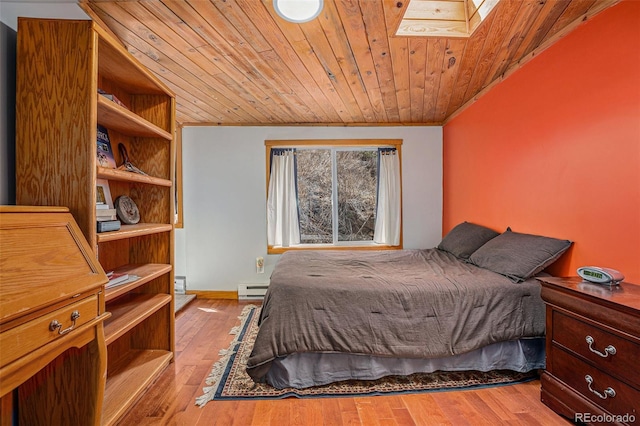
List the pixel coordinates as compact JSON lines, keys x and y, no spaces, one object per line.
{"x":302,"y":370}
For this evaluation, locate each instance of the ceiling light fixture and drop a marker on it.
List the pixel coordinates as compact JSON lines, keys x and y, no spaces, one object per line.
{"x":298,"y":11}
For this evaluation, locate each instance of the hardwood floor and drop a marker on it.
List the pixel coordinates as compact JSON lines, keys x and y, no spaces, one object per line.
{"x":201,"y":334}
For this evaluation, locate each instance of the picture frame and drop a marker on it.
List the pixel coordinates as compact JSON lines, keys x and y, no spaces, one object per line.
{"x":103,"y":194}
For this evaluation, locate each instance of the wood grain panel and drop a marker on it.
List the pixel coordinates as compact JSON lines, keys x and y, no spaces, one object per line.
{"x":450,"y":69}
{"x":114,"y":64}
{"x":548,"y":15}
{"x":374,"y":25}
{"x":342,"y":51}
{"x":51,"y":161}
{"x":527,"y":13}
{"x":75,"y":369}
{"x":470,"y":58}
{"x":139,"y":250}
{"x":59,"y":268}
{"x":202,"y":79}
{"x":499,"y":28}
{"x":399,"y":51}
{"x":236,"y":62}
{"x":113,"y":254}
{"x":239,"y":53}
{"x":292,"y":54}
{"x":400,"y":57}
{"x":154,"y":203}
{"x":435,"y":58}
{"x":358,"y":44}
{"x":160,"y":340}
{"x":417,"y":71}
{"x":259,"y":90}
{"x":572,"y":12}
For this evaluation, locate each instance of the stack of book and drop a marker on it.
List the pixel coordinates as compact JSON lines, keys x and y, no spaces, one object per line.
{"x":105,"y":213}
{"x":116,"y":279}
{"x":106,"y":218}
{"x":112,"y":98}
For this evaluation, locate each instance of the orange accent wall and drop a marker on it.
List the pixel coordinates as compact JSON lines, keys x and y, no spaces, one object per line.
{"x":555,"y":149}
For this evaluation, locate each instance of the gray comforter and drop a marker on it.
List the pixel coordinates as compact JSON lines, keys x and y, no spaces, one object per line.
{"x":404,"y":303}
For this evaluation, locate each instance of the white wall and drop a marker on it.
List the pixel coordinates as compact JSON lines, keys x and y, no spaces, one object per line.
{"x":224,"y":186}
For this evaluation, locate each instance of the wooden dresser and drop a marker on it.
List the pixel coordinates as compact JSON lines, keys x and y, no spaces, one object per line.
{"x":52,"y":346}
{"x":593,"y":350}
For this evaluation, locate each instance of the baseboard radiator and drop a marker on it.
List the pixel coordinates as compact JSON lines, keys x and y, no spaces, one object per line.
{"x":252,"y":291}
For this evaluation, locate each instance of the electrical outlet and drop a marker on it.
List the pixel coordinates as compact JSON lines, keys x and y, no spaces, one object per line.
{"x":259,"y":265}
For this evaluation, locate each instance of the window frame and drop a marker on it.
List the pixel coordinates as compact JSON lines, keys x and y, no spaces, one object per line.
{"x":331,"y":144}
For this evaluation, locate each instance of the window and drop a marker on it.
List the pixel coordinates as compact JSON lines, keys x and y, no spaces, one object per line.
{"x":335,"y":193}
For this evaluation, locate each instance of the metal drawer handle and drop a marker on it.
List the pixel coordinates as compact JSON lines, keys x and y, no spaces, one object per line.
{"x":608,"y":392}
{"x":609,"y":350}
{"x":55,"y":324}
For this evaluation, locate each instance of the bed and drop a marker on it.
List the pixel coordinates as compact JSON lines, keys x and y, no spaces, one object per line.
{"x":337,"y":315}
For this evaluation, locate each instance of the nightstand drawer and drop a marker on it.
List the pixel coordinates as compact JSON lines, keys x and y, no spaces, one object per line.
{"x":609,"y":352}
{"x":28,"y":337}
{"x":603,"y":390}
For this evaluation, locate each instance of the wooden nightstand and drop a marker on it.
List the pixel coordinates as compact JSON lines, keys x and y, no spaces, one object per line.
{"x":593,"y":350}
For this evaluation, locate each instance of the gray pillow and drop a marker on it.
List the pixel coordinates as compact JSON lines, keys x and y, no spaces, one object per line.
{"x":466,"y":238}
{"x":519,"y":256}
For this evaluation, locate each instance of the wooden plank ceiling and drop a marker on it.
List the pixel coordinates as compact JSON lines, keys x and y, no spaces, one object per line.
{"x":236,"y":62}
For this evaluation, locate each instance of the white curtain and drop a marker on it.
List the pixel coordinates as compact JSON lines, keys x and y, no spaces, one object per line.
{"x":388,"y":212}
{"x":282,"y":205}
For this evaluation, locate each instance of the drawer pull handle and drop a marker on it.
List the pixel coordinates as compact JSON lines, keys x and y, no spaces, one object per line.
{"x":608,"y":392}
{"x":609,"y":350}
{"x":56,"y":325}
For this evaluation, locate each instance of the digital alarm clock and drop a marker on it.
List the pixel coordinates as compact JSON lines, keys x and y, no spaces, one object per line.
{"x":599,"y":275}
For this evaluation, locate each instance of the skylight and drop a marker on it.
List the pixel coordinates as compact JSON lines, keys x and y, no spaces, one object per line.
{"x":444,"y":18}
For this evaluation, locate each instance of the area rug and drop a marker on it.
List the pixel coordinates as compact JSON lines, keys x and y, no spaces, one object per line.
{"x":228,"y":379}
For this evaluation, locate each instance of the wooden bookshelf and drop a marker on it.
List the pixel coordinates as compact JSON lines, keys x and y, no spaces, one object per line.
{"x":61,"y":64}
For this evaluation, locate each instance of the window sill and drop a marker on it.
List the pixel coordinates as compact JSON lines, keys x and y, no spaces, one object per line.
{"x":280,"y":250}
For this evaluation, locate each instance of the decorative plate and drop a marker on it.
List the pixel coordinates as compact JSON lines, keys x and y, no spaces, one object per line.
{"x":127,"y":210}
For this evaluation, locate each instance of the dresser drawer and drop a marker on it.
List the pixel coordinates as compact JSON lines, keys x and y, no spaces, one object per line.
{"x":29,"y":336}
{"x":574,"y":372}
{"x":619,"y":356}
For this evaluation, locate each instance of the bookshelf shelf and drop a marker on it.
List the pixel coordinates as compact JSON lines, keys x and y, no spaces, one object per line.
{"x":128,"y":313}
{"x":129,"y":378}
{"x":146,"y":272}
{"x":137,"y":230}
{"x":124,"y":176}
{"x":115,"y":117}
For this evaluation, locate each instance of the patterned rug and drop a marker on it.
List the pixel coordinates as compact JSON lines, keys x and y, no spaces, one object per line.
{"x":228,"y":379}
